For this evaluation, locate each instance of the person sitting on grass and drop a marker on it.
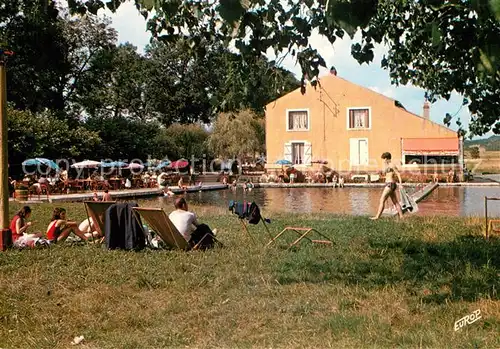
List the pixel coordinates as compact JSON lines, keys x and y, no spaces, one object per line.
{"x":187,"y":224}
{"x":87,"y":226}
{"x":59,"y":227}
{"x":19,"y":229}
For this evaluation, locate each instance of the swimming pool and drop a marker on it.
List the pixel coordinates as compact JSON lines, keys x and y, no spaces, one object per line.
{"x":449,"y":201}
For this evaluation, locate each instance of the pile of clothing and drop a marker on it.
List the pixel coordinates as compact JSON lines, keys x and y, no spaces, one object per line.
{"x":247,"y":210}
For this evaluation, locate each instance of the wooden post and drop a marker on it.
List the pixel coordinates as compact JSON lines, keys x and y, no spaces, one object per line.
{"x":5,"y":235}
{"x":4,"y":167}
{"x":486,"y":215}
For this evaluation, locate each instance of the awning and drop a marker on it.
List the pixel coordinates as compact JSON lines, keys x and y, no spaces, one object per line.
{"x":434,"y":146}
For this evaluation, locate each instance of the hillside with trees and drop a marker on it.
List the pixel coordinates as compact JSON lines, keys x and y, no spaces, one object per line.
{"x":490,"y":144}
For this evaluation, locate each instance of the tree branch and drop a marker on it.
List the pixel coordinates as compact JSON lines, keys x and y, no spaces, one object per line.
{"x":78,"y":75}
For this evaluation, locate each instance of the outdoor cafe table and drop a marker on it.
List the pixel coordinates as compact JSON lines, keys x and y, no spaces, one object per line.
{"x":115,"y":183}
{"x":85,"y":183}
{"x":137,"y":183}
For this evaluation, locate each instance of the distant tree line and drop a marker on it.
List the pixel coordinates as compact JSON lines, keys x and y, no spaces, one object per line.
{"x":74,"y":92}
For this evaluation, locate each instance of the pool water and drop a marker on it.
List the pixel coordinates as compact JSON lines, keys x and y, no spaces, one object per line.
{"x":449,"y":201}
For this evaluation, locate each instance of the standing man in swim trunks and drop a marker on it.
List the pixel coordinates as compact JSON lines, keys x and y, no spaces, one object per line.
{"x":391,"y":172}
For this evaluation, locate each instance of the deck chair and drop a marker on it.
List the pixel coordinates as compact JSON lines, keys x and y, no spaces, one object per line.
{"x":245,"y":227}
{"x":96,"y":210}
{"x":158,"y":220}
{"x":303,"y":233}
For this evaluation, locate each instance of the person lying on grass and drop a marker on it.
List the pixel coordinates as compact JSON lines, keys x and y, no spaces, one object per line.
{"x":188,"y":226}
{"x":19,"y":228}
{"x":59,"y":227}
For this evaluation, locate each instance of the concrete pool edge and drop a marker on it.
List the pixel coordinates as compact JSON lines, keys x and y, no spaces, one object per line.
{"x":152,"y":192}
{"x":127,"y":194}
{"x":370,"y":185}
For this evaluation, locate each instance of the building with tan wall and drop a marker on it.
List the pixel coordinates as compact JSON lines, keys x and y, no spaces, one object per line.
{"x":350,"y":126}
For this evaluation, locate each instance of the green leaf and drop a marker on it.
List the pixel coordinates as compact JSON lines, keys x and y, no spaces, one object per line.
{"x":490,"y":58}
{"x":495,"y":8}
{"x":113,"y":5}
{"x":147,"y":4}
{"x":350,"y":14}
{"x":436,"y":34}
{"x":94,"y":5}
{"x":197,"y":12}
{"x":447,"y":119}
{"x":231,"y":11}
{"x":76,"y":7}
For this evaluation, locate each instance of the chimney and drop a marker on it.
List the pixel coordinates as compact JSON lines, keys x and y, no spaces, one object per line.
{"x":427,"y":110}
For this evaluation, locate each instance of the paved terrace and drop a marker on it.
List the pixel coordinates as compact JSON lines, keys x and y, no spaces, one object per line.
{"x":125,"y":194}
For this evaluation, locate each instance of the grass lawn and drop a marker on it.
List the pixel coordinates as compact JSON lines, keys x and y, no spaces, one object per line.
{"x":383,"y":284}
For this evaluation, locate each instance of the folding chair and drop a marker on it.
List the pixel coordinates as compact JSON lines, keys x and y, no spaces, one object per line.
{"x":246,"y":214}
{"x":490,"y":225}
{"x":302,"y":233}
{"x":245,"y":227}
{"x":96,"y":210}
{"x":161,"y":224}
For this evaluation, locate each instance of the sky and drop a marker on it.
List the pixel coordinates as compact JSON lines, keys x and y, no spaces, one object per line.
{"x":131,"y":27}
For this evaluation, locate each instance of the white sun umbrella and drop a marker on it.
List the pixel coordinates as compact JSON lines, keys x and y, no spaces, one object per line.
{"x":86,"y":164}
{"x":134,"y":166}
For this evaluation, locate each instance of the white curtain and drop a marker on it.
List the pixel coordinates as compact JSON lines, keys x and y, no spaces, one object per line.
{"x":298,"y":120}
{"x":360,"y":118}
{"x":298,"y":153}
